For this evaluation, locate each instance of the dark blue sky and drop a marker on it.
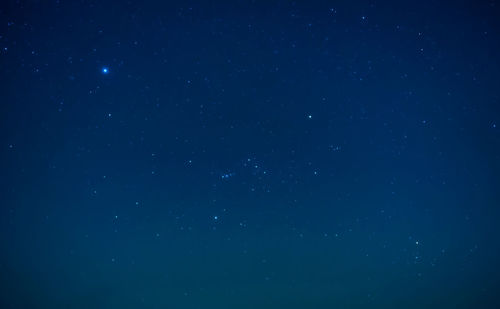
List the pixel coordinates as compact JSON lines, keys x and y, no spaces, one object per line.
{"x":249,"y":154}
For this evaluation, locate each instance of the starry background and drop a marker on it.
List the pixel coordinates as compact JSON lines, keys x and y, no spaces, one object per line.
{"x":249,"y":154}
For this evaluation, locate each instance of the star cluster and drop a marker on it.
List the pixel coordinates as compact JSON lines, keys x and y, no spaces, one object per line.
{"x":249,"y":154}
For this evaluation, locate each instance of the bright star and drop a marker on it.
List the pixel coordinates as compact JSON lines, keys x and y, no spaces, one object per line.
{"x":105,"y":70}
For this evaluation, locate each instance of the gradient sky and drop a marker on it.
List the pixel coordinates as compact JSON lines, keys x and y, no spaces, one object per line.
{"x":249,"y":154}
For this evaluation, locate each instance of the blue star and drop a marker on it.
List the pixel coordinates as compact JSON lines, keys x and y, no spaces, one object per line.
{"x":104,"y":70}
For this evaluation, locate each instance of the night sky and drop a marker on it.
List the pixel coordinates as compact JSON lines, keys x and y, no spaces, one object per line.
{"x":249,"y":154}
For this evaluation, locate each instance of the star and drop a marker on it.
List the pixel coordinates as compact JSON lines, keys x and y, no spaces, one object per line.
{"x":105,"y":70}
